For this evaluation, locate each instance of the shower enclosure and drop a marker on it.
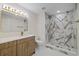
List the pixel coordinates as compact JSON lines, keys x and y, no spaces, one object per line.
{"x":61,"y":31}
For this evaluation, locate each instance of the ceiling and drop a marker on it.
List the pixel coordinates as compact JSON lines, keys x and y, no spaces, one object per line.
{"x":50,"y":8}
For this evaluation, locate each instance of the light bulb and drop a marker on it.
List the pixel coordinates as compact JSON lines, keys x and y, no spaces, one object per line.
{"x":58,"y":11}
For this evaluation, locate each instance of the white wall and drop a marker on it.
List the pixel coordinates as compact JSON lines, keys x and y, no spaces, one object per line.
{"x":77,"y":18}
{"x":0,"y":20}
{"x":41,"y":26}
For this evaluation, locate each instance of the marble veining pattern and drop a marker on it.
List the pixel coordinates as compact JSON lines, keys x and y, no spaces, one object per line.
{"x":61,"y":31}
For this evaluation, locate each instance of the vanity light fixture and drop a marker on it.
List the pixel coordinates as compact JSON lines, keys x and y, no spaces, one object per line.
{"x":58,"y":11}
{"x":14,"y":11}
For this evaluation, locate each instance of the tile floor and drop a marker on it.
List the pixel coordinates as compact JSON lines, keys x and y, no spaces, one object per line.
{"x":44,"y":51}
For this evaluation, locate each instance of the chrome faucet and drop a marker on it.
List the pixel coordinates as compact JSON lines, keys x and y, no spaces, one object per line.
{"x":22,"y":33}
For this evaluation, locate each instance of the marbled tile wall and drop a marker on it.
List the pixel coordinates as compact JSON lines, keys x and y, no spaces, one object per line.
{"x":61,"y":31}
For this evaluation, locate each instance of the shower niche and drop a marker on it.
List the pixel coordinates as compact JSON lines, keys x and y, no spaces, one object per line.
{"x":61,"y":31}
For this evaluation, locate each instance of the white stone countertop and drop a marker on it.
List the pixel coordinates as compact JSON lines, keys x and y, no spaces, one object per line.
{"x":12,"y":38}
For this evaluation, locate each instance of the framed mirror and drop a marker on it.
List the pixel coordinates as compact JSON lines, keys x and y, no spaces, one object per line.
{"x":12,"y":23}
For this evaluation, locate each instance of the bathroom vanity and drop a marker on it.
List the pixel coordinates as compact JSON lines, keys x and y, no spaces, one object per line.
{"x":19,"y":47}
{"x":12,"y":43}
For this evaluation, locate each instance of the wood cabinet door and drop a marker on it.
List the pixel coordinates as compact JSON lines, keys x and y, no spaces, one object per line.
{"x":4,"y":52}
{"x":22,"y":48}
{"x":25,"y":49}
{"x":31,"y":51}
{"x":10,"y":51}
{"x":31,"y":47}
{"x":12,"y":48}
{"x":19,"y":50}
